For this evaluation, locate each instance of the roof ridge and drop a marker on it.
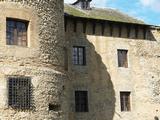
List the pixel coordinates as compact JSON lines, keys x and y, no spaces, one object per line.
{"x":120,"y":12}
{"x":79,"y":9}
{"x":106,"y":13}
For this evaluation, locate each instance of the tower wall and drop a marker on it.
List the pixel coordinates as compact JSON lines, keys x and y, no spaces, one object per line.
{"x":42,"y":59}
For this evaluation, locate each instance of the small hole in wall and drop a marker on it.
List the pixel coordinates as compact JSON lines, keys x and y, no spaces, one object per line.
{"x":54,"y":107}
{"x":63,"y":87}
{"x":156,"y":118}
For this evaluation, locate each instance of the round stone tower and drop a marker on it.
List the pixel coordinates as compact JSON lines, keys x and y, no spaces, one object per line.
{"x":31,"y":59}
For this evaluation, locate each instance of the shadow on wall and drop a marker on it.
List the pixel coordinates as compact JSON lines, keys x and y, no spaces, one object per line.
{"x":101,"y":87}
{"x":101,"y":98}
{"x":95,"y":76}
{"x":121,"y":30}
{"x":110,"y":29}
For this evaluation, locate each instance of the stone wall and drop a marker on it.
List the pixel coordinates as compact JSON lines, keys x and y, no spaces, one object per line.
{"x":104,"y":80}
{"x":42,"y":59}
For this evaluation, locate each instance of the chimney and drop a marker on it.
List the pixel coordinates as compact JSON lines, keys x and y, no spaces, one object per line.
{"x":83,"y":4}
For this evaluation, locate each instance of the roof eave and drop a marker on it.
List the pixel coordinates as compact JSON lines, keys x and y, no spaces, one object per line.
{"x":94,"y":19}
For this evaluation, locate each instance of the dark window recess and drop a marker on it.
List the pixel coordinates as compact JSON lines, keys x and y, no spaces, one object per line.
{"x":103,"y":28}
{"x":125,"y":101}
{"x":136,"y":32}
{"x":65,"y":58}
{"x":75,"y":25}
{"x":81,"y":101}
{"x":84,"y":26}
{"x":156,"y":118}
{"x":111,"y":29}
{"x":79,"y":55}
{"x":128,"y":31}
{"x":65,"y":24}
{"x":16,"y":32}
{"x":144,"y":33}
{"x":19,"y":93}
{"x":54,"y":107}
{"x":122,"y":58}
{"x":85,"y":5}
{"x":120,"y":30}
{"x":94,"y":28}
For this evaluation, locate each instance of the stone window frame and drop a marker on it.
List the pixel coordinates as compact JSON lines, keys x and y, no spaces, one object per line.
{"x":81,"y":62}
{"x":16,"y":11}
{"x":15,"y":41}
{"x":85,"y":105}
{"x":125,"y":106}
{"x":122,"y":59}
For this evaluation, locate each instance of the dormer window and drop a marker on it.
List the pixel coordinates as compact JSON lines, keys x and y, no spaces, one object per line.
{"x":83,"y":4}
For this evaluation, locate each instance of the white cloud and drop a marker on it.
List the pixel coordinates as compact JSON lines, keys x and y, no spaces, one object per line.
{"x":153,"y":4}
{"x":146,"y":2}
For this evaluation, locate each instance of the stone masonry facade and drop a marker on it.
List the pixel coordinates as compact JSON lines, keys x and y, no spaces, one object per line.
{"x":48,"y":61}
{"x":42,"y":59}
{"x":104,"y":80}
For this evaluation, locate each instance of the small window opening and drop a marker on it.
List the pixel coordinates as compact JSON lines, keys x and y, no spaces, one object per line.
{"x":156,"y":118}
{"x":54,"y":107}
{"x":79,"y":55}
{"x":122,"y":58}
{"x":125,"y":101}
{"x":16,"y":32}
{"x":81,"y":101}
{"x":65,"y":58}
{"x":65,"y":24}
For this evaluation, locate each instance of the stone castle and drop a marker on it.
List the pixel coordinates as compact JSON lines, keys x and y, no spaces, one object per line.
{"x":76,"y":62}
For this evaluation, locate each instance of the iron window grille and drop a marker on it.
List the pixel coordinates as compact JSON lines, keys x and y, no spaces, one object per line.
{"x":81,"y":101}
{"x":16,"y":32}
{"x":79,"y":55}
{"x":20,"y":93}
{"x":125,"y":101}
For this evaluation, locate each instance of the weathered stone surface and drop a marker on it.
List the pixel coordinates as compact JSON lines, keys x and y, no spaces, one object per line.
{"x":104,"y":80}
{"x":42,"y":59}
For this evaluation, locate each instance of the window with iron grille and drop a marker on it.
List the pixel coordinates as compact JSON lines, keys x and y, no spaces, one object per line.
{"x":19,"y":93}
{"x":122,"y":58}
{"x":16,"y":32}
{"x":79,"y":56}
{"x":81,"y":101}
{"x":125,"y":101}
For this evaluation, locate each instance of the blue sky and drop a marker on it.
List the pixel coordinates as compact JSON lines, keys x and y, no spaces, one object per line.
{"x":146,"y":10}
